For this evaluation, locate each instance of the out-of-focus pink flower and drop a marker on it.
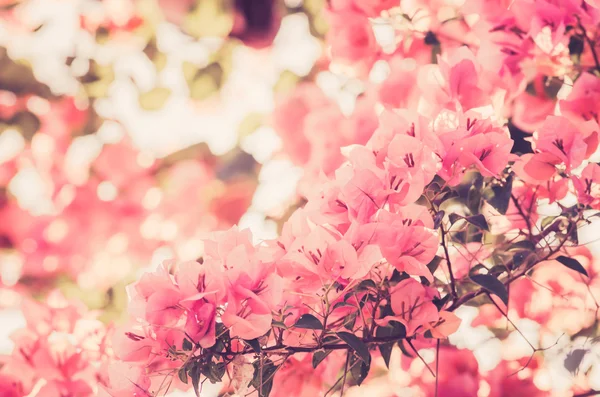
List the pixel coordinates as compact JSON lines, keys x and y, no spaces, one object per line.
{"x":352,"y":40}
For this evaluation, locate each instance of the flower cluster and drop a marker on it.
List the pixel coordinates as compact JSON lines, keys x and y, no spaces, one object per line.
{"x":448,"y":197}
{"x":64,"y":350}
{"x":418,"y":201}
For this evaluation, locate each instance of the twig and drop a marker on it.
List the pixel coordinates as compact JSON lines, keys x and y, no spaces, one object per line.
{"x":590,"y":43}
{"x":418,"y":355}
{"x":447,"y":254}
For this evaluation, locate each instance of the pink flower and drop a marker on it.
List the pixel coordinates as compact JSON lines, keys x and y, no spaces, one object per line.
{"x":488,"y":152}
{"x":455,"y":83}
{"x":408,"y":247}
{"x":127,"y":381}
{"x":131,"y":343}
{"x":289,"y":118}
{"x":560,"y":138}
{"x":588,"y":186}
{"x":371,"y":8}
{"x":352,"y":40}
{"x":10,"y":387}
{"x":412,"y":305}
{"x":458,"y":374}
{"x":467,"y":256}
{"x":399,"y":90}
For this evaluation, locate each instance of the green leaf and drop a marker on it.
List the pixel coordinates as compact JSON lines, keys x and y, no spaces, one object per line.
{"x":474,"y":198}
{"x":195,"y":375}
{"x":434,"y":264}
{"x":342,"y":304}
{"x":279,"y":324}
{"x":186,"y":345}
{"x":491,"y":284}
{"x":437,"y":219}
{"x":359,"y":371}
{"x":214,"y":371}
{"x":522,"y":245}
{"x":386,"y":348}
{"x":573,"y":360}
{"x":350,"y":320}
{"x":479,"y":221}
{"x":361,"y":349}
{"x":308,"y":321}
{"x":183,"y":375}
{"x":499,"y":196}
{"x":266,"y":375}
{"x":547,"y":221}
{"x":454,"y":218}
{"x":439,"y":303}
{"x":398,"y":276}
{"x":519,"y":258}
{"x":475,"y":269}
{"x":403,"y":349}
{"x":572,"y":264}
{"x":366,"y":285}
{"x":254,"y":344}
{"x":475,"y":220}
{"x":319,"y":356}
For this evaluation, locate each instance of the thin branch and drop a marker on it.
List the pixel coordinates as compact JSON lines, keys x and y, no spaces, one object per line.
{"x":449,"y":265}
{"x":589,"y":42}
{"x":437,"y":366}
{"x":418,"y":355}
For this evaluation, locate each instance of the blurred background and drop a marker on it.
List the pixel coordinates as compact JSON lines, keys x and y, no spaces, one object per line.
{"x":129,"y":129}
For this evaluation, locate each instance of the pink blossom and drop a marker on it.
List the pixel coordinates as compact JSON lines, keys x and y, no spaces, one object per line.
{"x":412,"y":305}
{"x":352,"y":40}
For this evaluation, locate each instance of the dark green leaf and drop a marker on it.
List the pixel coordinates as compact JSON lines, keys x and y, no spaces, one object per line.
{"x":254,"y":344}
{"x":186,"y":345}
{"x":576,"y":45}
{"x":522,"y":245}
{"x":319,"y":356}
{"x":434,"y":264}
{"x":398,"y":276}
{"x":359,"y":371}
{"x":403,"y":349}
{"x":183,"y":375}
{"x":474,"y":198}
{"x":479,"y":221}
{"x":195,"y":375}
{"x":437,"y":219}
{"x":439,"y":303}
{"x":572,"y":264}
{"x":547,"y":221}
{"x":386,"y":348}
{"x":475,"y":220}
{"x":475,"y":269}
{"x":519,"y":258}
{"x":499,"y":196}
{"x":350,"y":320}
{"x":366,"y":285}
{"x":342,"y":304}
{"x":308,"y":321}
{"x":491,"y":284}
{"x":214,"y":371}
{"x":279,"y":324}
{"x":573,"y":360}
{"x":386,"y":351}
{"x":263,"y":380}
{"x":454,"y":218}
{"x":361,"y":349}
